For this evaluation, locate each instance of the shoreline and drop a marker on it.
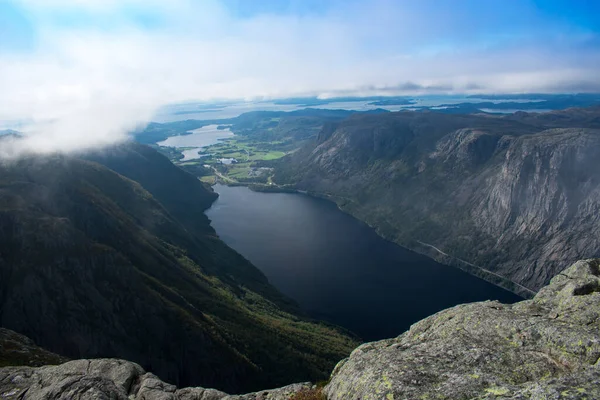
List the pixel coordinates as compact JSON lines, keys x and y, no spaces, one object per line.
{"x":419,"y":247}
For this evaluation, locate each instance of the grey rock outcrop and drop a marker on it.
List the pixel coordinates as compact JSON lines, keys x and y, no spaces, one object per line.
{"x":110,"y":379}
{"x":545,"y":348}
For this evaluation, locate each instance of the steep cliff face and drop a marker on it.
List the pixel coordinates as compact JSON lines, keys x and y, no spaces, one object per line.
{"x":94,"y":265}
{"x":541,"y":203}
{"x":502,"y":197}
{"x":545,"y":348}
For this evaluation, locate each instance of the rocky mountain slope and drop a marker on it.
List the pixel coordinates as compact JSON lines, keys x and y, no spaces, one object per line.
{"x":545,"y":348}
{"x":95,"y":264}
{"x":16,"y":349}
{"x":512,"y":199}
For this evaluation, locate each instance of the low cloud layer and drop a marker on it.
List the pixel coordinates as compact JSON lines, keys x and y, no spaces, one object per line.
{"x":94,"y":70}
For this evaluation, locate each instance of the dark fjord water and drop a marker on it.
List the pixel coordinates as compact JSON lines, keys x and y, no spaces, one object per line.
{"x":337,"y":268}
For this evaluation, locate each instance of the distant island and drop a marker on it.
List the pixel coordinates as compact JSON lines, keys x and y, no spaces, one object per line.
{"x":393,"y":101}
{"x":372,"y":100}
{"x":208,"y":110}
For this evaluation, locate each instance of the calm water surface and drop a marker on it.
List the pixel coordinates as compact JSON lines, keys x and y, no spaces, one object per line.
{"x":199,"y":138}
{"x":336,"y":267}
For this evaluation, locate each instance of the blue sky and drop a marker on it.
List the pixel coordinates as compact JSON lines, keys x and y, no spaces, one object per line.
{"x":107,"y":65}
{"x":437,"y":22}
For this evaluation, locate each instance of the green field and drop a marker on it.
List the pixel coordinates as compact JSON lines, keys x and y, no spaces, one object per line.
{"x":260,"y":138}
{"x":246,"y":167}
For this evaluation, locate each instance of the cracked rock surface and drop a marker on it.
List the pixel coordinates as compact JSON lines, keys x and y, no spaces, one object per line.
{"x":110,"y":379}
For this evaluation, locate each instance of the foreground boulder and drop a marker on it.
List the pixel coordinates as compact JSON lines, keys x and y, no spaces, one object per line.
{"x":545,"y":348}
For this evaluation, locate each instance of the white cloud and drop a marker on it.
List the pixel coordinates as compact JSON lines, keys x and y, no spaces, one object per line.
{"x":84,"y":86}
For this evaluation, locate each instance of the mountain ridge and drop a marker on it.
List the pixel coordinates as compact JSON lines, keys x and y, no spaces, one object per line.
{"x":466,"y":185}
{"x":94,"y":265}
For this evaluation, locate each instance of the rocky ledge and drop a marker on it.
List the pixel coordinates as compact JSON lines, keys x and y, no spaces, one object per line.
{"x":544,"y":348}
{"x":110,"y":379}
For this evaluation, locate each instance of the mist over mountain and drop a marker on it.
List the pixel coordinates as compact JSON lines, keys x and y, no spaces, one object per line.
{"x":77,"y":75}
